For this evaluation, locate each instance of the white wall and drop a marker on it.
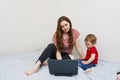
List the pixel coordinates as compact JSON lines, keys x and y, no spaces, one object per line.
{"x":27,"y":25}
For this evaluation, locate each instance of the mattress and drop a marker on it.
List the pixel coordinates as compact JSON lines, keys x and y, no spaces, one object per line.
{"x":12,"y":67}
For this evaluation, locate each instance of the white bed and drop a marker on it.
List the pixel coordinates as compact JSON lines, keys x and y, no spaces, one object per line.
{"x":13,"y":67}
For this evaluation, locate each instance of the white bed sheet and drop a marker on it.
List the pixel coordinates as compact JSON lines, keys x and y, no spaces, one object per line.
{"x":13,"y":67}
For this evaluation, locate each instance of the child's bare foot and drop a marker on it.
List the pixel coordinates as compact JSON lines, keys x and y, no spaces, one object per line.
{"x":88,"y":70}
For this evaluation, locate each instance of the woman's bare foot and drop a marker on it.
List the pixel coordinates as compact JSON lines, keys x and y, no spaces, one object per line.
{"x":45,"y":63}
{"x":34,"y":69}
{"x":88,"y":70}
{"x":31,"y":71}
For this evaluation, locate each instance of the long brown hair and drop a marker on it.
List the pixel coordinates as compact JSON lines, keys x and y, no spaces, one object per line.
{"x":59,"y":34}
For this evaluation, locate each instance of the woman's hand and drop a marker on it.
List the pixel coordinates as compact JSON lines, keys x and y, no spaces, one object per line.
{"x":58,"y":55}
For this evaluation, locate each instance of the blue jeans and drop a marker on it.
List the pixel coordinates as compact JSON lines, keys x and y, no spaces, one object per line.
{"x":85,"y":66}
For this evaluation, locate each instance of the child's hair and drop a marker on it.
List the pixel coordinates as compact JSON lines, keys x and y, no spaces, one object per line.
{"x":92,"y":38}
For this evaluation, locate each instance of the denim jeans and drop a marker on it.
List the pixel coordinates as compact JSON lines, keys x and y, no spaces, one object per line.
{"x":85,"y":66}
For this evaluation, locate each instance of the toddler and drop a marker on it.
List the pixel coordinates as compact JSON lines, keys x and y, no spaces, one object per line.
{"x":91,"y":58}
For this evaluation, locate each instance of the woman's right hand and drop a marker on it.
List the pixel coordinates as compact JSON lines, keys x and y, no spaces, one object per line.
{"x":58,"y":55}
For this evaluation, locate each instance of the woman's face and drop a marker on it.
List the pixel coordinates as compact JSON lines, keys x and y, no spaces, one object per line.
{"x":65,"y":26}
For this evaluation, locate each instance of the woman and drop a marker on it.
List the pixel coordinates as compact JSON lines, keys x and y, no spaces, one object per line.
{"x":64,"y":39}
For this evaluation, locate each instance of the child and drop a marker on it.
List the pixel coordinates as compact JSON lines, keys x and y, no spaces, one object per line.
{"x":91,"y":58}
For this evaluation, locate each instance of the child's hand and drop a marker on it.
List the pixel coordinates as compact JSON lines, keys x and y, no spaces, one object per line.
{"x":84,"y":62}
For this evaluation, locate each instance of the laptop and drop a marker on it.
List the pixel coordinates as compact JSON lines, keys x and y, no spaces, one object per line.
{"x":64,"y":67}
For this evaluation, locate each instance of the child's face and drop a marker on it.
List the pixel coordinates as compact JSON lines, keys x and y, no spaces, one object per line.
{"x":88,"y":44}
